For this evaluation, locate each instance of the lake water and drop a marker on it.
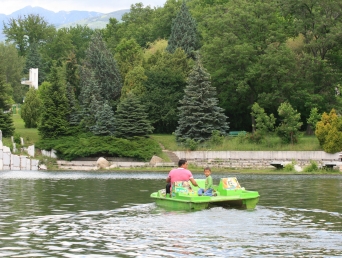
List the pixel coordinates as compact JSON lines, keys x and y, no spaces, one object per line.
{"x":110,"y":214}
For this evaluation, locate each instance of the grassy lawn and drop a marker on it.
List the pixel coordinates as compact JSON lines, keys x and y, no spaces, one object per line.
{"x":30,"y":135}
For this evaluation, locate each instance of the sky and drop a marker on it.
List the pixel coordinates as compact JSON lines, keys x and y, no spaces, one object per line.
{"x":103,"y":6}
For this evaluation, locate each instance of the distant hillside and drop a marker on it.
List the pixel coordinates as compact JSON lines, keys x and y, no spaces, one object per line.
{"x":64,"y":18}
{"x":98,"y":22}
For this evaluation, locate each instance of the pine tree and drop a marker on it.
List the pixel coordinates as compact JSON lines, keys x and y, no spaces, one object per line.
{"x":200,"y":114}
{"x":104,"y":120}
{"x":101,"y":63}
{"x":90,"y":99}
{"x":131,"y":118}
{"x":55,"y":107}
{"x":184,"y":33}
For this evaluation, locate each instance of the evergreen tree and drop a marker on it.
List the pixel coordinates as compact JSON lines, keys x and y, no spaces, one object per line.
{"x":288,"y":130}
{"x":55,"y":107}
{"x":34,"y":60}
{"x":74,"y":118}
{"x":131,"y":118}
{"x":30,"y":110}
{"x":200,"y":114}
{"x":184,"y":33}
{"x":6,"y":121}
{"x":104,"y":120}
{"x":6,"y":124}
{"x":101,"y":63}
{"x":90,"y":99}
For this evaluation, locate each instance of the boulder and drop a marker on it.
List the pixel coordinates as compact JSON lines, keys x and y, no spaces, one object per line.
{"x":42,"y":167}
{"x":298,"y":168}
{"x":155,"y":159}
{"x":102,"y":163}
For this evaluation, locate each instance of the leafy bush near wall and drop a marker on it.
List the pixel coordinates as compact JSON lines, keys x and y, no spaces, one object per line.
{"x":85,"y":145}
{"x":289,"y":167}
{"x":312,"y":167}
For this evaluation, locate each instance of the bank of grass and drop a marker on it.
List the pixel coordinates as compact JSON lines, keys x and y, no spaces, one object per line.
{"x":239,"y":143}
{"x":271,"y":143}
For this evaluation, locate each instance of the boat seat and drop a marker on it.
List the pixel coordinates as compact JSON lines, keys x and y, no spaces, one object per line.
{"x":183,"y":187}
{"x":229,"y":183}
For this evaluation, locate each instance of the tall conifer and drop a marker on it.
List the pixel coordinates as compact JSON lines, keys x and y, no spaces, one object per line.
{"x":184,"y":33}
{"x":99,"y":60}
{"x":200,"y":114}
{"x":55,"y":107}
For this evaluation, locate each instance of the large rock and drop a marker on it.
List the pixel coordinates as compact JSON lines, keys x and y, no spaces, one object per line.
{"x":298,"y":168}
{"x":102,"y":163}
{"x":155,"y":159}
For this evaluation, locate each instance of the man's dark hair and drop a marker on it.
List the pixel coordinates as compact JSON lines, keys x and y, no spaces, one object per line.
{"x":181,"y":162}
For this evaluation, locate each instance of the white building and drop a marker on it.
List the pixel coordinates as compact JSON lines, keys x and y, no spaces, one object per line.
{"x":33,"y":79}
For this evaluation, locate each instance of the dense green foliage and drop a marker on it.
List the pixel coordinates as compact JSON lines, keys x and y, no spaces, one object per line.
{"x":200,"y":114}
{"x":166,"y":79}
{"x":87,"y":145}
{"x":266,"y":52}
{"x":26,"y":30}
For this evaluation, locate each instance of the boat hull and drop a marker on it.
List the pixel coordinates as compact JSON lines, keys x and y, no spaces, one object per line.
{"x":228,"y":194}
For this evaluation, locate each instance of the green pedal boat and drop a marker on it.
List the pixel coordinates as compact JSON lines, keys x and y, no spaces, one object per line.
{"x":227,"y":194}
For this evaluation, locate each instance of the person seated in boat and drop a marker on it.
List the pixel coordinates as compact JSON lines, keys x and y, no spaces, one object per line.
{"x":179,"y":174}
{"x":208,"y":191}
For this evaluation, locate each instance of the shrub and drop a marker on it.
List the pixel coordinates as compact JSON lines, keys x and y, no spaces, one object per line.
{"x":216,"y":138}
{"x":312,"y":167}
{"x":191,"y":144}
{"x":16,"y":138}
{"x":289,"y":167}
{"x":87,"y":145}
{"x":329,"y":132}
{"x":255,"y":137}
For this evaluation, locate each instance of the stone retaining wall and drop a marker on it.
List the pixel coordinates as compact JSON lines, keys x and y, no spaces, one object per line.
{"x":255,"y":159}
